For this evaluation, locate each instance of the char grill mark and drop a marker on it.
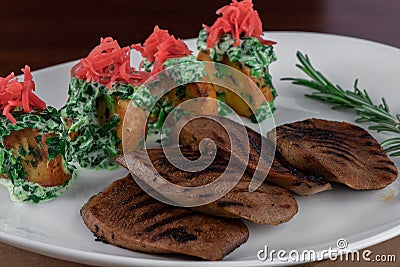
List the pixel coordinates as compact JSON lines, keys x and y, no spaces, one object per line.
{"x":142,"y":204}
{"x":168,"y":229}
{"x":293,"y":171}
{"x":338,"y":151}
{"x":127,"y":201}
{"x":166,"y":169}
{"x":378,"y":153}
{"x":169,"y":220}
{"x":223,"y":204}
{"x":340,"y":155}
{"x":131,"y":198}
{"x":315,"y":131}
{"x":317,"y":135}
{"x":366,"y":136}
{"x":179,"y":234}
{"x":386,"y":161}
{"x":331,"y":137}
{"x":152,"y":213}
{"x":386,"y":169}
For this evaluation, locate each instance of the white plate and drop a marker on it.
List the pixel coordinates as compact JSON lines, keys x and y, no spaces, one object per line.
{"x":362,"y":218}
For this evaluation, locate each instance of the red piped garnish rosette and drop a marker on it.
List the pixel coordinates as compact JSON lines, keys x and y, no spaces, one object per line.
{"x":238,"y":19}
{"x":108,"y":63}
{"x":161,"y":46}
{"x":19,"y":96}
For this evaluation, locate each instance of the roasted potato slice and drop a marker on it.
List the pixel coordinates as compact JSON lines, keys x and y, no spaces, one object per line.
{"x":231,"y":98}
{"x":193,"y":91}
{"x":33,"y":150}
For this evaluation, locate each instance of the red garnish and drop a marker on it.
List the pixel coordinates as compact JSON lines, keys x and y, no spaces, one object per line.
{"x":160,"y":46}
{"x":240,"y":20}
{"x":15,"y":95}
{"x":149,"y":47}
{"x":108,"y":63}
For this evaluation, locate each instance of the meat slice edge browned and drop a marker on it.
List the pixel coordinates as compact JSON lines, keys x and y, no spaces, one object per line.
{"x":286,"y":176}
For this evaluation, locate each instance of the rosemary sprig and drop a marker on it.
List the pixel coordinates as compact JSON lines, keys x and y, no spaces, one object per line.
{"x":356,"y":99}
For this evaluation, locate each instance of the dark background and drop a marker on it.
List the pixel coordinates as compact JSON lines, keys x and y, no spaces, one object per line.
{"x":44,"y":33}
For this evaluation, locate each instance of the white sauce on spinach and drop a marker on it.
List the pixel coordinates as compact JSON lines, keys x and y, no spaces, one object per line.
{"x":250,"y":52}
{"x":47,"y":121}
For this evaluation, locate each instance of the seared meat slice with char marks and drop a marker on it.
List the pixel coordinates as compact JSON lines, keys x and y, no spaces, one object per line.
{"x":124,"y":215}
{"x":281,"y":173}
{"x":338,"y":151}
{"x":267,"y":205}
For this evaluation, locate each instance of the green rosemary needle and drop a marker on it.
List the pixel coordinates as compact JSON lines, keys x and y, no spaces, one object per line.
{"x":356,"y":99}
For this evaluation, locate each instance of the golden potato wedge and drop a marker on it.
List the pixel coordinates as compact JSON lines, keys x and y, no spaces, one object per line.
{"x":234,"y":100}
{"x":193,"y":91}
{"x":132,"y":138}
{"x":34,"y":154}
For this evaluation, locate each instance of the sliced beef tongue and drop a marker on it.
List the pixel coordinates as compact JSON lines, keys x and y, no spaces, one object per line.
{"x":124,"y":215}
{"x":267,"y":205}
{"x":338,"y":151}
{"x":281,"y":173}
{"x":212,"y":127}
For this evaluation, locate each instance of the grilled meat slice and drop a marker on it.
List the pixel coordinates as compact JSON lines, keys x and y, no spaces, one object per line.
{"x":338,"y":151}
{"x":281,"y":173}
{"x":124,"y":215}
{"x":267,"y":205}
